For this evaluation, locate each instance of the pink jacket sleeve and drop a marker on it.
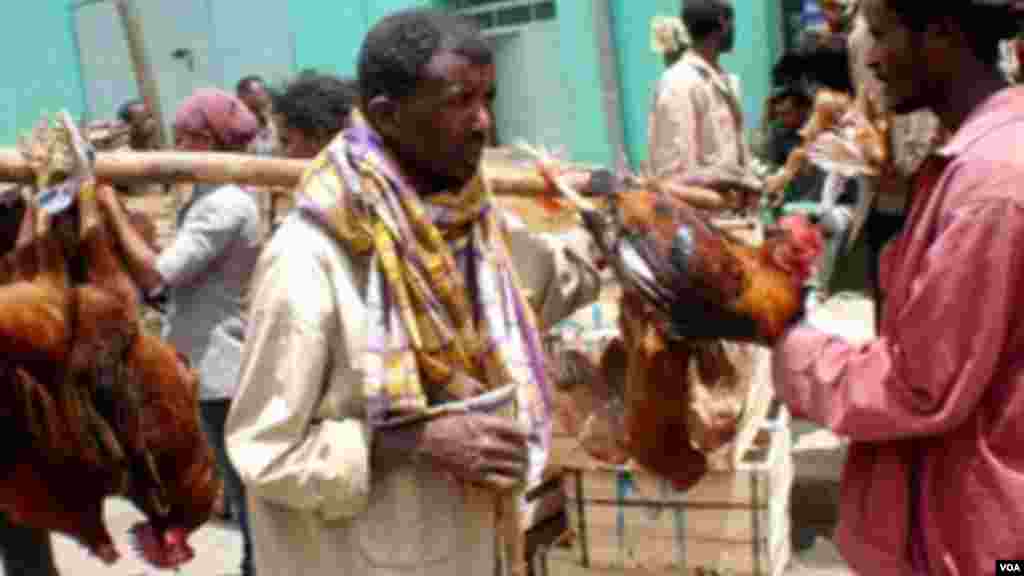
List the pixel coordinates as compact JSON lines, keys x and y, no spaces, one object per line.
{"x":943,"y":350}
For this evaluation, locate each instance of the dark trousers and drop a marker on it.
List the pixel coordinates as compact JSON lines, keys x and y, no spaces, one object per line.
{"x":214,"y":414}
{"x":25,"y":551}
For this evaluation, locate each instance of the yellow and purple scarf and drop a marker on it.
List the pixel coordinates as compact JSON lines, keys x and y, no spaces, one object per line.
{"x":447,"y":318}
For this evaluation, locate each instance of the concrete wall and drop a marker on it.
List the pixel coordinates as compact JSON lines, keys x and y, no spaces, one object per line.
{"x":327,"y":37}
{"x":639,"y":67}
{"x":272,"y":56}
{"x":578,"y":58}
{"x":40,"y":70}
{"x":759,"y":43}
{"x":328,"y":34}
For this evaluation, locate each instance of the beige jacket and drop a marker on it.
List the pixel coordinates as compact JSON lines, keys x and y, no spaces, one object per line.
{"x":297,"y":435}
{"x":697,"y":119}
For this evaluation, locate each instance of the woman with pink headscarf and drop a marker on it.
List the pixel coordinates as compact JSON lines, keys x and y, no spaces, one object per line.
{"x":205,"y":270}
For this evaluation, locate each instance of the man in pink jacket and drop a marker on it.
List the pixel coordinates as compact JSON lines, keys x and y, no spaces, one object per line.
{"x":934,"y":407}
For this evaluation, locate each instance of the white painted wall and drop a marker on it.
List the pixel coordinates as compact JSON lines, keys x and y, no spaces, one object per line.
{"x":223,"y":40}
{"x":533,"y":103}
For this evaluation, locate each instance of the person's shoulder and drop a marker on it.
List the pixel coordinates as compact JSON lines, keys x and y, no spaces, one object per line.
{"x":678,"y":79}
{"x":227,"y":195}
{"x":298,"y":272}
{"x":988,"y":171}
{"x":303,"y":243}
{"x":233,"y":199}
{"x":298,"y":233}
{"x":681,"y":70}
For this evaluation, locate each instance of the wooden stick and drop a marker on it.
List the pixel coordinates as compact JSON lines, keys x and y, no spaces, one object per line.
{"x":735,"y":224}
{"x":220,"y":168}
{"x":698,"y":197}
{"x":127,"y":167}
{"x":131,"y":23}
{"x":124,"y":167}
{"x":509,"y":180}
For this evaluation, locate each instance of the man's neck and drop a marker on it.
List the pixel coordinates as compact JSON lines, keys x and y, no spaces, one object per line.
{"x":709,"y":52}
{"x":424,"y":184}
{"x":975,"y":84}
{"x":428,"y":186}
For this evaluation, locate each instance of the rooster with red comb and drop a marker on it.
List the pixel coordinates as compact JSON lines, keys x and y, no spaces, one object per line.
{"x":691,"y":290}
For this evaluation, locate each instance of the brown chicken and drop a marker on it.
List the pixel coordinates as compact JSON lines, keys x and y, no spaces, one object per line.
{"x":706,"y":283}
{"x":94,"y":407}
{"x":692,"y":293}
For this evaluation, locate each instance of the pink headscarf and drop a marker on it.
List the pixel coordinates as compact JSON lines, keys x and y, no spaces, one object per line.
{"x":219,"y":113}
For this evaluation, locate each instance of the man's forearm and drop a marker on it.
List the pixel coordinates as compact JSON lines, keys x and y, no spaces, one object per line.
{"x":140,"y":258}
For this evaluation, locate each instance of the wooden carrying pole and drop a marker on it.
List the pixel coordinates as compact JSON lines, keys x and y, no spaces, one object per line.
{"x":127,"y":167}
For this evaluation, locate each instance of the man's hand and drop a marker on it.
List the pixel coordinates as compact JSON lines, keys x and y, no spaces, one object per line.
{"x":477,"y":448}
{"x":107,"y":199}
{"x":137,"y":242}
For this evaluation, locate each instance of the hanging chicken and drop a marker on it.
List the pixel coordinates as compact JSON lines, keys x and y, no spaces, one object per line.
{"x":691,"y":292}
{"x":92,"y":405}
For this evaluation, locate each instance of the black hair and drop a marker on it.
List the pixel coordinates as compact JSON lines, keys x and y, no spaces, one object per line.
{"x":316,"y":104}
{"x":788,"y":69}
{"x":247,"y":84}
{"x":704,"y":17}
{"x":124,"y":112}
{"x":398,"y":48}
{"x":829,"y":66}
{"x":795,"y":92}
{"x":984,"y":26}
{"x":815,"y":65}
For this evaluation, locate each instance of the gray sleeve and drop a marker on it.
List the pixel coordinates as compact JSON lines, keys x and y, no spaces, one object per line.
{"x":209,"y":228}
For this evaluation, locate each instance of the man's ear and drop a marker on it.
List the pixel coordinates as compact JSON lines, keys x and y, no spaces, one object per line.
{"x":383,"y":113}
